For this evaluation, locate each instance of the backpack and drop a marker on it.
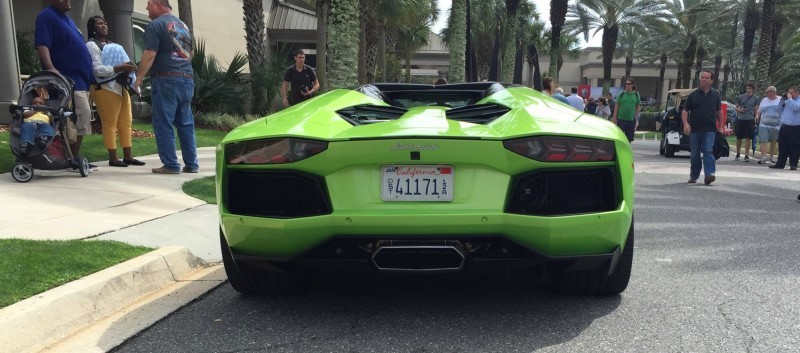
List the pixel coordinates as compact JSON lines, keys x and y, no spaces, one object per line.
{"x":637,"y":96}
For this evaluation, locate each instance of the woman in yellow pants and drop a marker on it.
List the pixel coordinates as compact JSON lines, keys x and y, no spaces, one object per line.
{"x":110,"y":95}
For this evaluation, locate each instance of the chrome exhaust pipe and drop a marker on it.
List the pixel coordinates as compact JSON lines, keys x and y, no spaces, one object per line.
{"x":419,"y":258}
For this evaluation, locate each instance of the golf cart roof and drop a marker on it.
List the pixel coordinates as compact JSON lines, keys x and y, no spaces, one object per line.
{"x":681,"y":91}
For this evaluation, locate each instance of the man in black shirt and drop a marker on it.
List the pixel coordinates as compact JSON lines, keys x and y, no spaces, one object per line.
{"x":702,"y":116}
{"x":303,"y":79}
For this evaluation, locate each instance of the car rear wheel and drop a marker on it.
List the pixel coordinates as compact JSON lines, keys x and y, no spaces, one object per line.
{"x":597,"y":281}
{"x":247,"y":280}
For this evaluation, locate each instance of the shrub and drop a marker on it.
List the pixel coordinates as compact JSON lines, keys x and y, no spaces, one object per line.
{"x":28,"y":58}
{"x":647,"y":121}
{"x":221,"y":121}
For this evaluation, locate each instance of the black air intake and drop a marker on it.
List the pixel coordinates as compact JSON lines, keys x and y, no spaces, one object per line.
{"x":282,"y":194}
{"x":563,"y":192}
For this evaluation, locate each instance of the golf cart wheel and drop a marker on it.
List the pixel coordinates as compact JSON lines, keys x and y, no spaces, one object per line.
{"x":83,"y":168}
{"x":22,"y":172}
{"x":669,"y":150}
{"x":662,"y":147}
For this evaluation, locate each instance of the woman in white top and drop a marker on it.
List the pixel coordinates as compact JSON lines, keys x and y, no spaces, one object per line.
{"x":110,"y":95}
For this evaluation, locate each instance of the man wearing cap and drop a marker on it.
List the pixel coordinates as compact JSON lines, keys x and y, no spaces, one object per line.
{"x":167,"y":58}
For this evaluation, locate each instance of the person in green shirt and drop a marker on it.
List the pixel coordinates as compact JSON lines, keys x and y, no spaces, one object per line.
{"x":627,"y":108}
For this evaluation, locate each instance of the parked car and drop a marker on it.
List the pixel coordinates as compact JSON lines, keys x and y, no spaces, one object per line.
{"x":412,"y":178}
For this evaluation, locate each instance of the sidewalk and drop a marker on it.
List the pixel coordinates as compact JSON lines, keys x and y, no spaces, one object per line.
{"x":130,"y":205}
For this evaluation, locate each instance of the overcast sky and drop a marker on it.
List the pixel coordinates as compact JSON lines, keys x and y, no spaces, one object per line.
{"x":543,"y":6}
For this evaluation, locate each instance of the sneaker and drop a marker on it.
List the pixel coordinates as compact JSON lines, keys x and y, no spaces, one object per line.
{"x":772,"y":160}
{"x":165,"y":170}
{"x":775,"y":166}
{"x":762,"y":161}
{"x":709,"y":179}
{"x":692,"y":181}
{"x":93,"y":166}
{"x":737,"y":158}
{"x":747,"y":158}
{"x":190,"y":170}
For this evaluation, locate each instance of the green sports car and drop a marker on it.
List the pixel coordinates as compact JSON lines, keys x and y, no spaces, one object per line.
{"x":411,"y":178}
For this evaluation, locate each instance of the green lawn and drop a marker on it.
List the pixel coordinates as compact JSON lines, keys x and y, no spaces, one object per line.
{"x":94,"y":150}
{"x":30,"y":267}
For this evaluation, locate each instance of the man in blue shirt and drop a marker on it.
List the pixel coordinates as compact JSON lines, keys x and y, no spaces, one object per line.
{"x":62,"y":49}
{"x":168,"y":52}
{"x":789,"y":135}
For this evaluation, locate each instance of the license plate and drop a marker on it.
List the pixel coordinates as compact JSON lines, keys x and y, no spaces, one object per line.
{"x":417,"y":183}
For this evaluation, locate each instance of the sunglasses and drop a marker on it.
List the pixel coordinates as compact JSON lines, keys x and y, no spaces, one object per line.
{"x":628,"y":83}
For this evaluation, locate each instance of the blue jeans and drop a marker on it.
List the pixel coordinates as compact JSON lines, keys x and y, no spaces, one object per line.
{"x":702,"y":142}
{"x":31,"y":130}
{"x":172,"y":110}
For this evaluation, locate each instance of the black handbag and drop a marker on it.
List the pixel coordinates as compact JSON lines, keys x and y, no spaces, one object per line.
{"x":721,"y":147}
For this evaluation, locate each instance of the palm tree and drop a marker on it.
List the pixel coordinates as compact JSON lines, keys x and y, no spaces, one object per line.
{"x":751,"y":10}
{"x":257,"y":48}
{"x":630,"y":39}
{"x":457,"y":41}
{"x":607,"y":16}
{"x":342,"y":31}
{"x":185,"y":14}
{"x":510,"y":35}
{"x":568,"y":45}
{"x":536,"y":41}
{"x":659,"y":46}
{"x":558,"y":13}
{"x":787,"y":69}
{"x":765,"y":44}
{"x":411,"y":39}
{"x":692,"y":18}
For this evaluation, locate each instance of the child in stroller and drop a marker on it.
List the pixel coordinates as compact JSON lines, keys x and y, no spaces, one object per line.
{"x":38,"y":125}
{"x":44,"y":93}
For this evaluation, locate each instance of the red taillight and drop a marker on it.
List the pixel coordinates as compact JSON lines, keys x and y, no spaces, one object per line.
{"x":562,"y":149}
{"x":273,"y":151}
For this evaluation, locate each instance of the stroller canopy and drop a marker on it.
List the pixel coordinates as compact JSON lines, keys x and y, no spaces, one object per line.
{"x":55,"y":89}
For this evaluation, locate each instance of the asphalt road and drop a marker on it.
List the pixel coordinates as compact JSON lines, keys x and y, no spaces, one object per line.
{"x":716,"y":269}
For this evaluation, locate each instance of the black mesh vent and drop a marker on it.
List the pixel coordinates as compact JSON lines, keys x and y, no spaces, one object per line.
{"x":276,"y":194}
{"x":477,"y":114}
{"x":564,"y":192}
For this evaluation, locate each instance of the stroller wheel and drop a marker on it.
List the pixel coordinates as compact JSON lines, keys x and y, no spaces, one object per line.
{"x":22,"y":172}
{"x":83,"y":168}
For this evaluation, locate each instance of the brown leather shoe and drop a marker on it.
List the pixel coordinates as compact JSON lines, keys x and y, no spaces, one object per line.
{"x":709,"y":179}
{"x":165,"y":170}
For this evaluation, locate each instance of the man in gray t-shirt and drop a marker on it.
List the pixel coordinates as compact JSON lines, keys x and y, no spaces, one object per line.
{"x":744,"y":127}
{"x":167,"y":57}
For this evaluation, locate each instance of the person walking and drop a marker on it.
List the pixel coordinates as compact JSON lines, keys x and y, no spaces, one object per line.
{"x":627,"y":109}
{"x":168,"y":52}
{"x":768,"y":118}
{"x":110,"y":93}
{"x":702,"y":116}
{"x":789,"y":135}
{"x":61,"y":49}
{"x":744,"y":127}
{"x":302,"y":78}
{"x":603,"y":110}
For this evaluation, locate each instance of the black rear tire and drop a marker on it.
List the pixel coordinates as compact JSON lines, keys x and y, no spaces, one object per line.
{"x":250,"y":281}
{"x":663,"y":143}
{"x":597,"y":281}
{"x":669,"y":151}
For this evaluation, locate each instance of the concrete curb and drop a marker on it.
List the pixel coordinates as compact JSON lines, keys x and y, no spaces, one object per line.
{"x":45,"y":319}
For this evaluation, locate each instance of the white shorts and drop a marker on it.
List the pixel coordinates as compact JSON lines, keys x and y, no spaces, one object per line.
{"x":84,"y":113}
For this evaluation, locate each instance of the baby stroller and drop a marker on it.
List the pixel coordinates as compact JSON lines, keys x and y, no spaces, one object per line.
{"x":56,"y":91}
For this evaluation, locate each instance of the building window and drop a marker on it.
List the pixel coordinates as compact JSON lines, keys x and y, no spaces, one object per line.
{"x":138,"y":40}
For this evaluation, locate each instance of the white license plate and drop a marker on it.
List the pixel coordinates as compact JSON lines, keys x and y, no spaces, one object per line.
{"x":417,"y":183}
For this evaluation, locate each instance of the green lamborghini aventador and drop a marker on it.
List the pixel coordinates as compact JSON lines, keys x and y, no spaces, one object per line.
{"x":411,"y":178}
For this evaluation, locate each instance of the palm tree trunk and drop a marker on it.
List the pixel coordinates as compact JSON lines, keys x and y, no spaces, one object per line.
{"x":257,"y":48}
{"x":765,"y":45}
{"x":717,"y":67}
{"x":774,"y":49}
{"x":558,"y":13}
{"x":726,"y":70}
{"x":701,"y":56}
{"x":343,"y":43}
{"x":362,"y":42}
{"x":185,"y":14}
{"x":456,"y":72}
{"x":628,"y":65}
{"x":510,"y":40}
{"x":533,"y":62}
{"x":750,"y":26}
{"x":609,"y":45}
{"x":688,"y":56}
{"x":519,"y":57}
{"x":322,"y":40}
{"x":382,"y":51}
{"x":662,"y":69}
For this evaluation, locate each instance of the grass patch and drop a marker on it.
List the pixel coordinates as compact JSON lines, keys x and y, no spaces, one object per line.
{"x":203,"y":189}
{"x":94,"y":150}
{"x":30,"y":267}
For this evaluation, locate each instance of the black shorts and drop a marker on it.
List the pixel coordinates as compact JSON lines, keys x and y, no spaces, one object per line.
{"x":744,"y":129}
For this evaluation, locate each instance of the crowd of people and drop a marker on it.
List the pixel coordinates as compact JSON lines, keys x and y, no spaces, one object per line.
{"x":102,"y":71}
{"x":773,"y":121}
